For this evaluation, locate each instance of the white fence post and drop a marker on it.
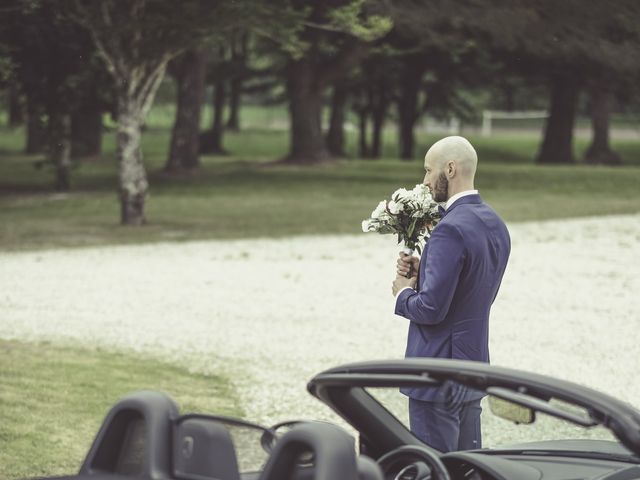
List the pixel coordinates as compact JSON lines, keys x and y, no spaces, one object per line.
{"x":486,"y":123}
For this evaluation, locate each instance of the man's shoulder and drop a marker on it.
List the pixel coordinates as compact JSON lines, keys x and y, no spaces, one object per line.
{"x":471,"y":210}
{"x":474,"y":217}
{"x":463,"y":213}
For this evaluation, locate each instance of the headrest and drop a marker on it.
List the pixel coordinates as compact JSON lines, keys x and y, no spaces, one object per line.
{"x":204,"y":449}
{"x":135,"y":438}
{"x":333,"y":450}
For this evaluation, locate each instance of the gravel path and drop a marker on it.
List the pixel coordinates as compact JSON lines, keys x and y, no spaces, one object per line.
{"x":278,"y":311}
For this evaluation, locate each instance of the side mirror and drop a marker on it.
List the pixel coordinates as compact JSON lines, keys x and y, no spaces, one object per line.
{"x":511,"y":411}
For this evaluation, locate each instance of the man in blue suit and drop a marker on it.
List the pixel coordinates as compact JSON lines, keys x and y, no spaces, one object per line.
{"x":447,"y":294}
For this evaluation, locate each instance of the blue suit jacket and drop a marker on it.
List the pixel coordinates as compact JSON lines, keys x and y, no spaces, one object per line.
{"x":460,"y":273}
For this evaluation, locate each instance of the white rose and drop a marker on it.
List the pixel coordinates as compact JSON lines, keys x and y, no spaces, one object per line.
{"x":418,"y":189}
{"x":395,"y":207}
{"x":401,"y":194}
{"x":423,"y":197}
{"x":379,"y":209}
{"x":385,"y":217}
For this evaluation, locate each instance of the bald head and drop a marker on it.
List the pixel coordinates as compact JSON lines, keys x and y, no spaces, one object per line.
{"x":451,"y":165}
{"x":455,"y":149}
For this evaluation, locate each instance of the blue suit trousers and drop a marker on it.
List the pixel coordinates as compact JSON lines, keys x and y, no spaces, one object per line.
{"x":446,"y":427}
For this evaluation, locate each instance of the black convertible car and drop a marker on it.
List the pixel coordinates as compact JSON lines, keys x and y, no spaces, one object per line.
{"x":534,"y":427}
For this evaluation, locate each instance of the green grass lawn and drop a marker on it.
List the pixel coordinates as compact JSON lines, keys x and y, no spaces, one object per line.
{"x":53,"y":400}
{"x":244,"y":194}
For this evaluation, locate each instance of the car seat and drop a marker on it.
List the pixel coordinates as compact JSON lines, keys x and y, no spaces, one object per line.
{"x":333,"y":451}
{"x":204,"y":449}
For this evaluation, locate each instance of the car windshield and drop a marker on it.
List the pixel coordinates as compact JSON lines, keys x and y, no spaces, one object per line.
{"x":506,"y":425}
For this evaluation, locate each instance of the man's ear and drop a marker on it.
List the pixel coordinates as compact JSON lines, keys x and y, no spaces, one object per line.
{"x":451,"y":169}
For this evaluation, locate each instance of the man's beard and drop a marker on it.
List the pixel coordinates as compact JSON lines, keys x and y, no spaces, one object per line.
{"x":441,"y":188}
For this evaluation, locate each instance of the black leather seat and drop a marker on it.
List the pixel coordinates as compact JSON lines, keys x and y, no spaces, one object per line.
{"x":204,"y":450}
{"x":333,"y":450}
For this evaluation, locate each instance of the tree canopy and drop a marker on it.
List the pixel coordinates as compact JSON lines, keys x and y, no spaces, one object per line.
{"x":386,"y":61}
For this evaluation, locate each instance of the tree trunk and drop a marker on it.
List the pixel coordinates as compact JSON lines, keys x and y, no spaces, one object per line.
{"x":134,"y":99}
{"x":379,"y":112}
{"x":36,"y":128}
{"x":335,"y":136}
{"x":305,"y":109}
{"x":133,"y":177}
{"x":408,"y":103}
{"x":363,"y":147}
{"x":60,"y":149}
{"x":16,"y":106}
{"x":239,"y":49}
{"x":557,"y":145}
{"x":86,"y":132}
{"x":360,"y":105}
{"x":185,"y":141}
{"x":600,"y":152}
{"x":211,"y":140}
{"x":376,"y":141}
{"x":306,"y":81}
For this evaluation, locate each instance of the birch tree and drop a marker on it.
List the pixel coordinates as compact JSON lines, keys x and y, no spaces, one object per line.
{"x":137,"y":39}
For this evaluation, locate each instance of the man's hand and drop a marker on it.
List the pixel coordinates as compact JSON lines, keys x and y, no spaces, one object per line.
{"x":401,"y":281}
{"x":408,"y":265}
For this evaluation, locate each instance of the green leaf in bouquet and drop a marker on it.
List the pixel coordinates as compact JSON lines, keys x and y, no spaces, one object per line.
{"x":411,"y":227}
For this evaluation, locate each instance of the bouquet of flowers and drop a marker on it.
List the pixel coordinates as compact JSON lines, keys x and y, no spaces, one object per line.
{"x":410,"y":214}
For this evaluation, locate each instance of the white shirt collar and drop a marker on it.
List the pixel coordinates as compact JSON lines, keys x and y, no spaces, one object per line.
{"x":458,"y":196}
